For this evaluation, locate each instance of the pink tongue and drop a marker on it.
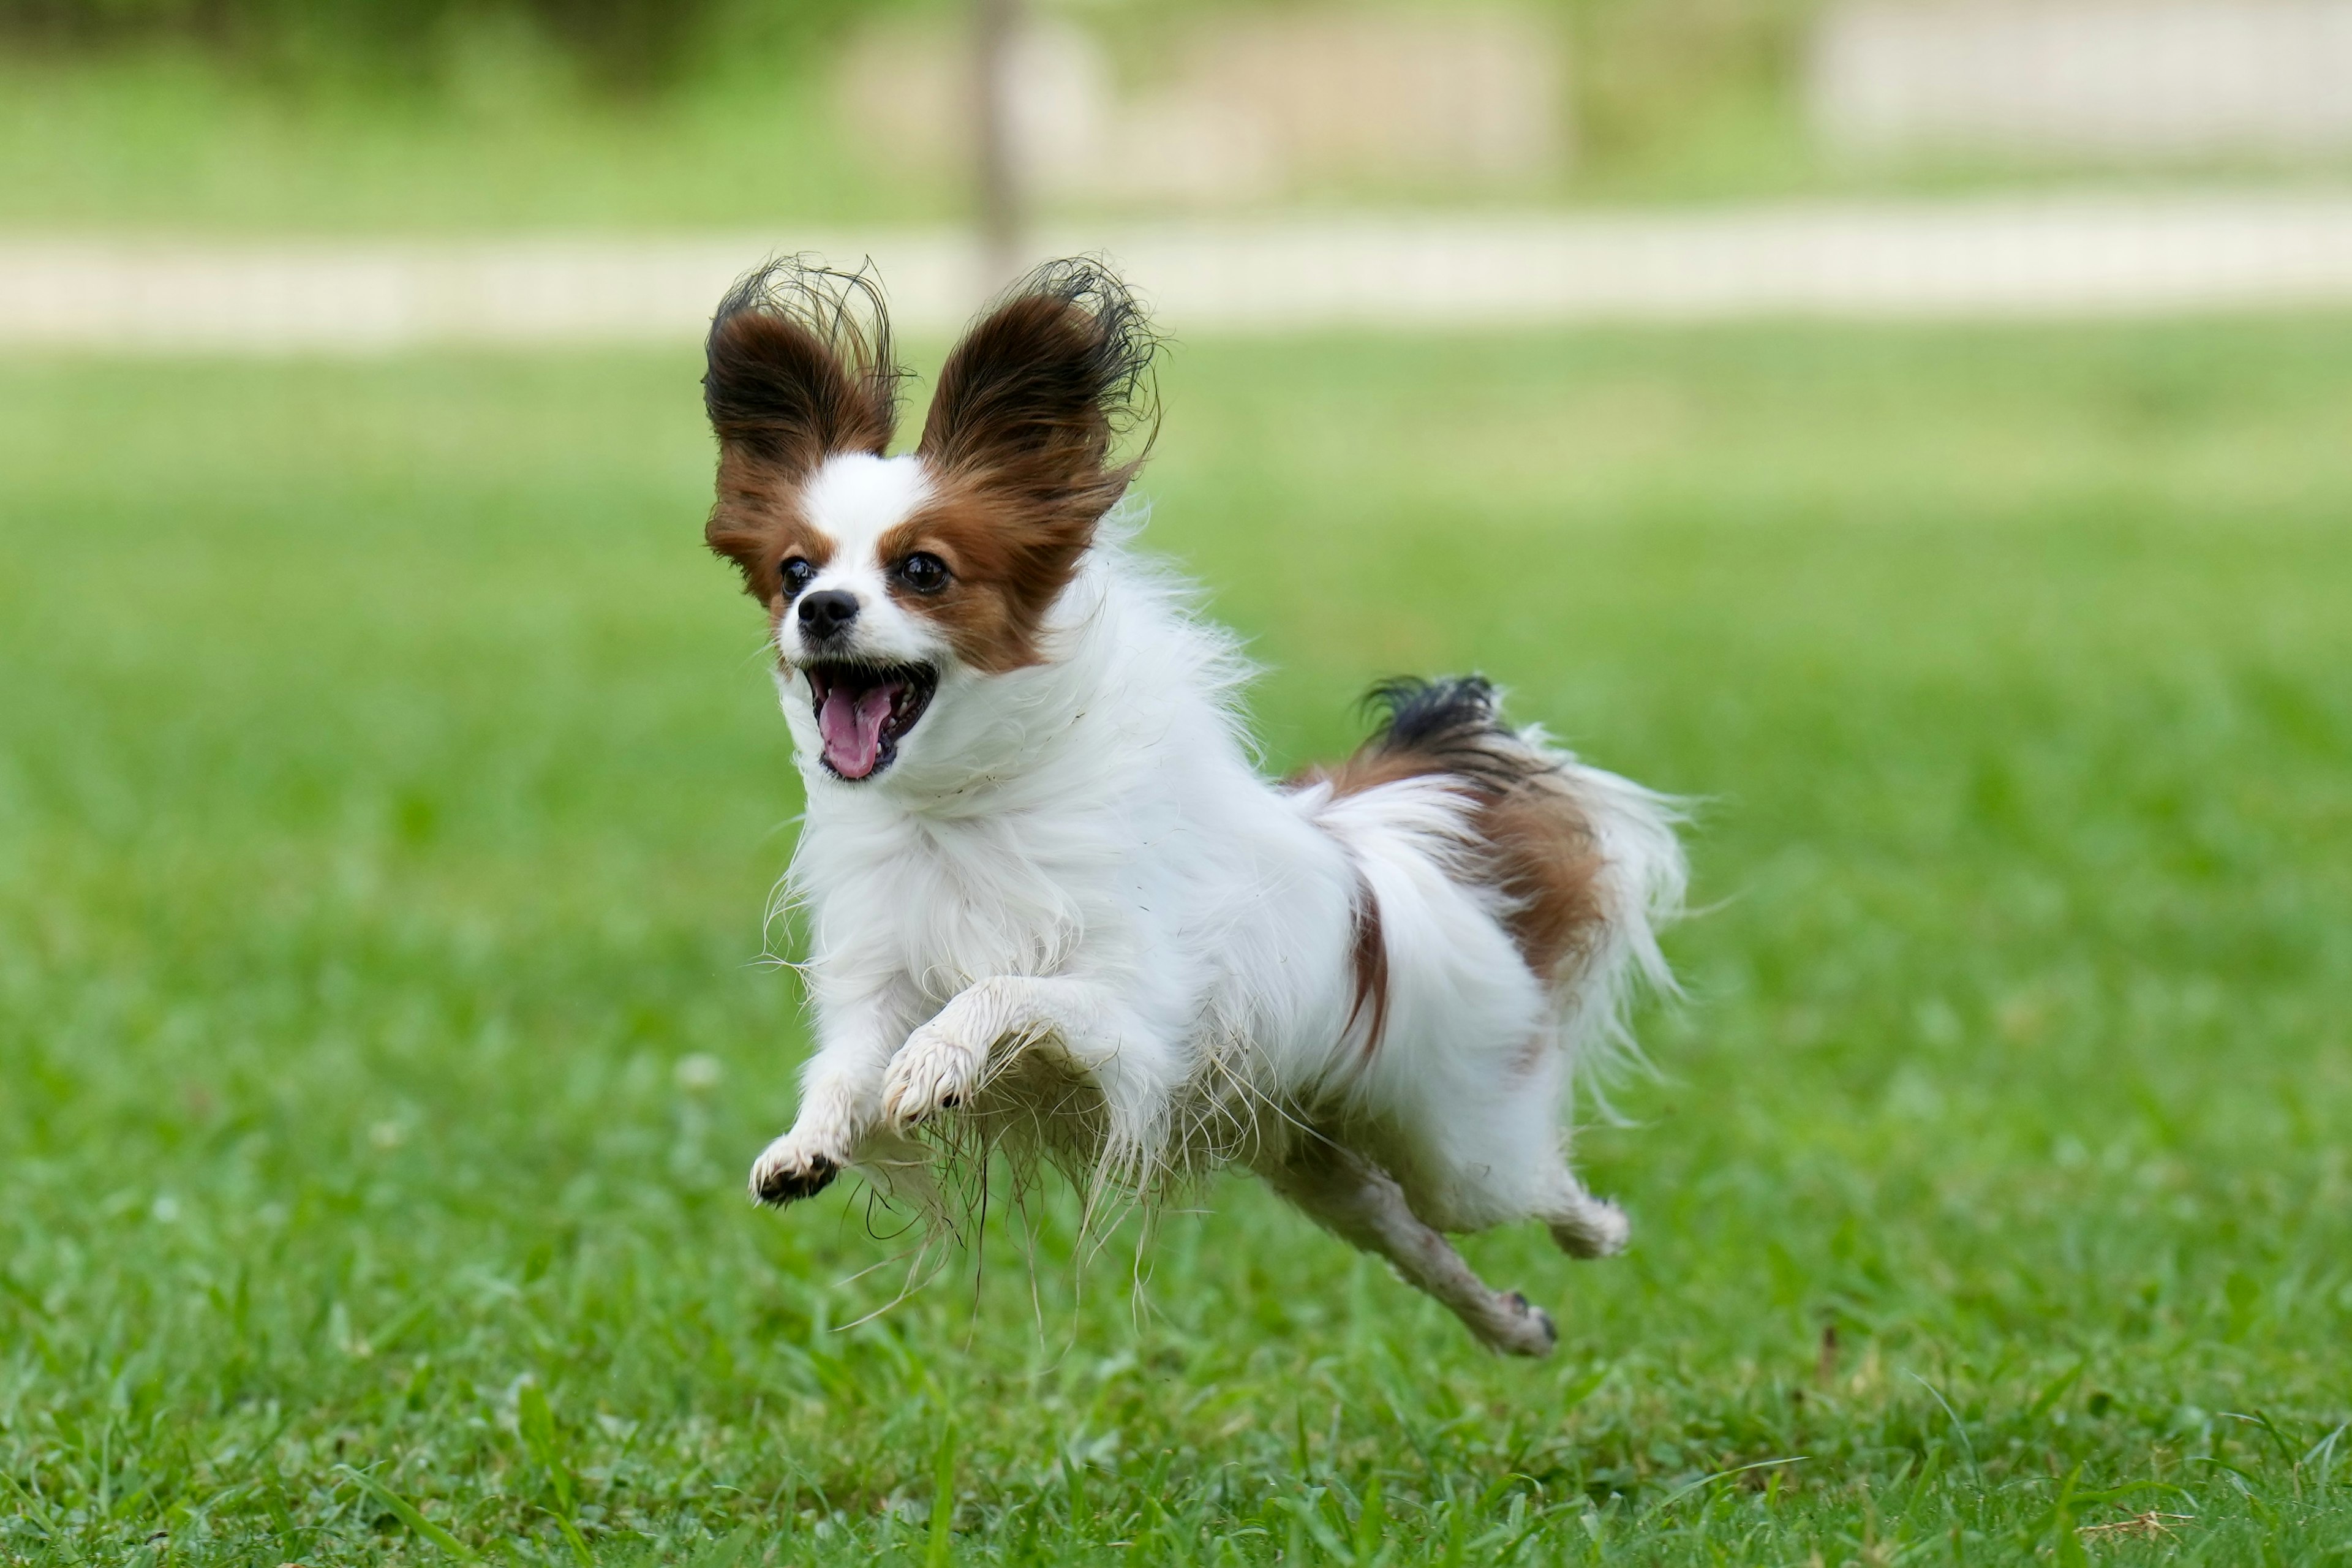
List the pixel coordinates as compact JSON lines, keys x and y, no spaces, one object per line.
{"x":852,"y":728}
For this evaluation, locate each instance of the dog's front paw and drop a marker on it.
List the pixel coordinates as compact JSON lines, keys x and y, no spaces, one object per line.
{"x":787,"y":1170}
{"x":937,"y":1069}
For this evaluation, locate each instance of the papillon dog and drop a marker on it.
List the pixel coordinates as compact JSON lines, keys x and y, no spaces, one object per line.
{"x":1047,"y":892}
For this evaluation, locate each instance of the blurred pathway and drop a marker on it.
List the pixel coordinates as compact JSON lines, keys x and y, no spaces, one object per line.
{"x":2009,"y":258}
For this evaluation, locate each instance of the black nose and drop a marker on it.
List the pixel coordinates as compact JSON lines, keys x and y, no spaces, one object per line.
{"x":827,"y":614}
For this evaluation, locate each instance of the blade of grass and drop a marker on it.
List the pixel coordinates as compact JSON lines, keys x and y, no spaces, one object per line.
{"x":406,"y":1512}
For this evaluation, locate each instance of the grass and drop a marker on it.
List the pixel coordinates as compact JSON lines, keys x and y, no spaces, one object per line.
{"x":389,"y":791}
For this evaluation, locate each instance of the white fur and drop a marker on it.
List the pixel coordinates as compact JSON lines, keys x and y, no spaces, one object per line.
{"x":855,"y":499}
{"x":1078,"y":860}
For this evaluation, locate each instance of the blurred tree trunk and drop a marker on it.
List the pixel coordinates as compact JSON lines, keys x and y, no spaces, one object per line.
{"x":995,"y":24}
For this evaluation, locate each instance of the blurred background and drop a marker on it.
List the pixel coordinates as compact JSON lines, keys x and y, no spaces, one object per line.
{"x":1280,"y":161}
{"x":1919,"y":431}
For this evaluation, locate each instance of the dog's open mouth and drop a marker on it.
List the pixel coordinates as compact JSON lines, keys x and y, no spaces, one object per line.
{"x":863,"y":711}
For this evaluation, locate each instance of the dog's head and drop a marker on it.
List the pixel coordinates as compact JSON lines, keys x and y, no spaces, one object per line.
{"x":896,"y":586}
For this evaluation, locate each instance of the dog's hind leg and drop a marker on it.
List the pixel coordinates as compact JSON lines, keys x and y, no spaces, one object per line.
{"x":1487,"y":1149}
{"x":1584,"y":1225}
{"x":1361,"y":1203}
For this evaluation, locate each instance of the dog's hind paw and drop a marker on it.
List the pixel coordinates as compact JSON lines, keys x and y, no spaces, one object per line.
{"x":1594,"y":1228}
{"x":786,"y":1172}
{"x":1522,"y":1328}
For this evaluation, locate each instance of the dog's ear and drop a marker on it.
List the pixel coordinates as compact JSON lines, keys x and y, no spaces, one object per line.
{"x":1032,"y":403}
{"x":798,"y":369}
{"x":799,"y":366}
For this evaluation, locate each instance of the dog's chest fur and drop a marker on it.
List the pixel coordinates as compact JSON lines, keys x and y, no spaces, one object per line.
{"x":946,"y":902}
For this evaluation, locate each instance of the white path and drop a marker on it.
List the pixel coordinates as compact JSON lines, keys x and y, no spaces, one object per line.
{"x":2082,"y":255}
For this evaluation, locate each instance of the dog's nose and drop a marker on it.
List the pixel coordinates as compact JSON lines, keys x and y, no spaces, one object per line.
{"x":827,"y":614}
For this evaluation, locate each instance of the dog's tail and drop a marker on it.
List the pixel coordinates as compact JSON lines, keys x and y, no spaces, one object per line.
{"x":1585,"y":865}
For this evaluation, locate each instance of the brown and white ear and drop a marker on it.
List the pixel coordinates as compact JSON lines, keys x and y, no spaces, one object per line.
{"x":798,"y":369}
{"x":1032,"y":403}
{"x":799,"y":366}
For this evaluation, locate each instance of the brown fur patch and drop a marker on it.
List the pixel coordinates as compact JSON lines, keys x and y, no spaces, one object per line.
{"x":1549,"y":866}
{"x":1537,"y":848}
{"x":799,"y":369}
{"x":757,"y":524}
{"x":1006,"y":566}
{"x":1369,"y":958}
{"x":1018,"y":443}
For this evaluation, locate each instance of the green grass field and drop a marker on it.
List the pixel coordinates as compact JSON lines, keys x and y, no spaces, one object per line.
{"x":390,"y":789}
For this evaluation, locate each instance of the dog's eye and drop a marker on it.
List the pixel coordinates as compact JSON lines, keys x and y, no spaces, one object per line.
{"x":795,"y":574}
{"x":925,"y":573}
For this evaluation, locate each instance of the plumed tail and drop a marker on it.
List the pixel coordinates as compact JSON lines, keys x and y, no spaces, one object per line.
{"x":1586,"y":865}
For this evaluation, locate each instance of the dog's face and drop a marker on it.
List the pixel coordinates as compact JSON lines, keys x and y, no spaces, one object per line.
{"x":900,"y":586}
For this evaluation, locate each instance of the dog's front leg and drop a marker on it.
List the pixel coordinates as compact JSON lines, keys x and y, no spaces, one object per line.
{"x":947,"y":1060}
{"x":841,"y":1101}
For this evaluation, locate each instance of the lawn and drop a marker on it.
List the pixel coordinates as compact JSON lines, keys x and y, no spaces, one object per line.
{"x":390,"y":792}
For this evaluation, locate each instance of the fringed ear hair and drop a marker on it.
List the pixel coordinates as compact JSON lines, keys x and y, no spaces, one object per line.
{"x":799,"y":369}
{"x":799,"y":366}
{"x":1031,"y":403}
